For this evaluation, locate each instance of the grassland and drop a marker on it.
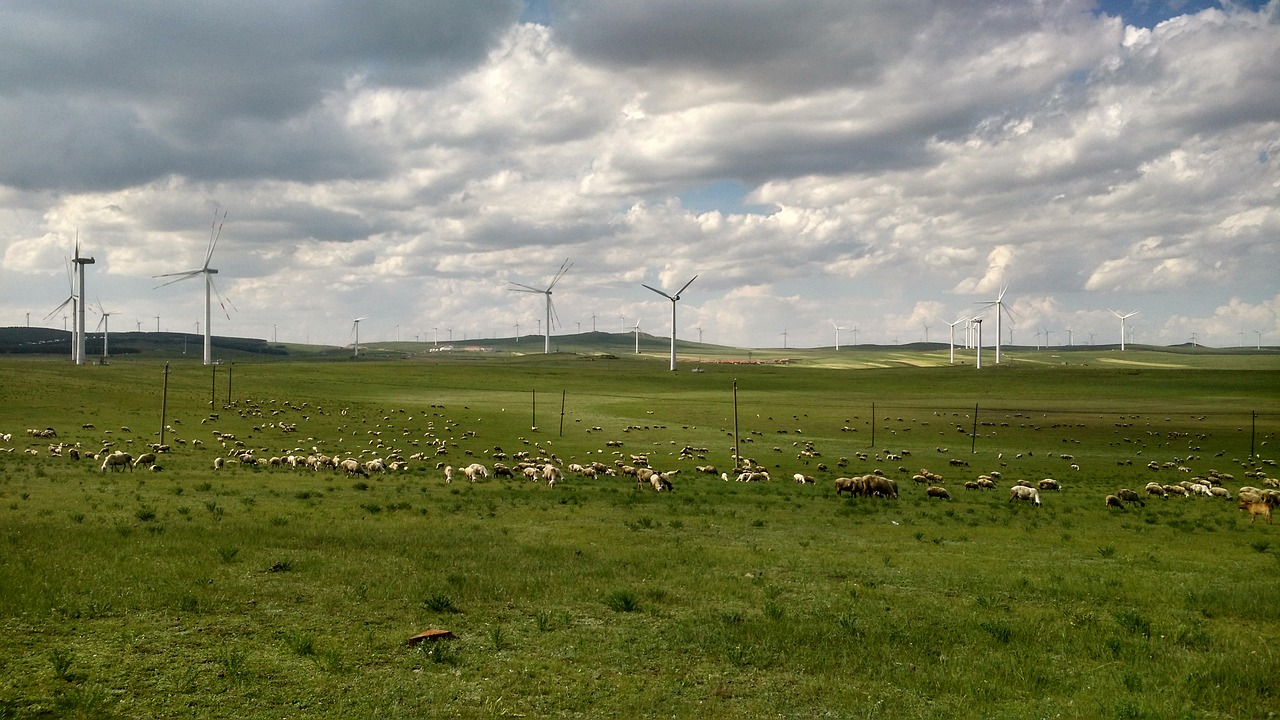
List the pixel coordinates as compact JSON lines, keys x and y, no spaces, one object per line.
{"x":272,"y":592}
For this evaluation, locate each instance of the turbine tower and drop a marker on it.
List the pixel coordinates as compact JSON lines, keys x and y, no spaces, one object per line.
{"x":1123,"y":318}
{"x":355,"y":328}
{"x":210,"y":290}
{"x":838,"y":329}
{"x":953,"y":325}
{"x":551,"y":312}
{"x":80,"y":262}
{"x":674,"y":299}
{"x":998,"y":303}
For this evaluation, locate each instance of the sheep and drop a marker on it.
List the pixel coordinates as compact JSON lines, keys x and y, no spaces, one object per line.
{"x":353,"y":467}
{"x":475,"y":470}
{"x":881,"y":486}
{"x":660,"y":482}
{"x":1022,"y":492}
{"x":117,"y":459}
{"x":802,"y":479}
{"x":1114,"y":502}
{"x":1154,"y":488}
{"x":145,"y":459}
{"x":938,"y":492}
{"x":1130,"y":496}
{"x":1048,"y":484}
{"x":219,"y":462}
{"x":1255,"y":509}
{"x":844,"y":484}
{"x":1220,"y":492}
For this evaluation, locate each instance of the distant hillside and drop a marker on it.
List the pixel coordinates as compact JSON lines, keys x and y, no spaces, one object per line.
{"x":46,"y":341}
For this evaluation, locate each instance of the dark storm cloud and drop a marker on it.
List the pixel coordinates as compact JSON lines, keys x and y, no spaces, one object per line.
{"x":188,"y":88}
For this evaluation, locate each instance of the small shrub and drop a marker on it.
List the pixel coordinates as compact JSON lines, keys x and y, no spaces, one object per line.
{"x":361,"y":485}
{"x":622,"y":601}
{"x":302,"y":644}
{"x":1107,"y":551}
{"x":1260,"y":545}
{"x":228,"y":553}
{"x":61,"y":660}
{"x":496,"y":635}
{"x":77,"y":517}
{"x":145,"y":514}
{"x":204,"y":487}
{"x":278,"y":521}
{"x":371,"y":508}
{"x":440,"y":602}
{"x":1134,"y":621}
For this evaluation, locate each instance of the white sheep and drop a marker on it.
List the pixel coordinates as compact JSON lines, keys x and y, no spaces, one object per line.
{"x":475,"y":470}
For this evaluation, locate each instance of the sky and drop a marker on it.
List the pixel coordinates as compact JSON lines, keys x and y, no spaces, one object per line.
{"x":880,"y":167}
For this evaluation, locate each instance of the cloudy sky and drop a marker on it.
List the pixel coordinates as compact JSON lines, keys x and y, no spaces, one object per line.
{"x":884,"y":166}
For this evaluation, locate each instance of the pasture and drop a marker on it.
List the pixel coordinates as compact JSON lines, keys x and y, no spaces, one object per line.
{"x":262,"y":591}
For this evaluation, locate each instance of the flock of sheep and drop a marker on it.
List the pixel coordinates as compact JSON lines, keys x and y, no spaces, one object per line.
{"x":386,"y":442}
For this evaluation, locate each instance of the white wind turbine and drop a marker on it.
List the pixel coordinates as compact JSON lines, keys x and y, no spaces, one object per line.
{"x":105,"y":325}
{"x":71,"y":300}
{"x":1123,"y":318}
{"x":838,"y":329}
{"x":551,"y":313}
{"x":355,"y":329}
{"x":998,"y":303}
{"x":80,"y":262}
{"x":210,"y":290}
{"x":674,"y":299}
{"x":637,"y":331}
{"x":953,"y":325}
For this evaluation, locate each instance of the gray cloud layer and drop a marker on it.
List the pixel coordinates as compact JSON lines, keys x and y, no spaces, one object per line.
{"x":885,"y":165}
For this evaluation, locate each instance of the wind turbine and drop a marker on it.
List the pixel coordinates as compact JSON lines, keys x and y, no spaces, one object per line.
{"x":999,"y":306}
{"x":564,"y":268}
{"x":838,"y":329}
{"x":953,"y":325}
{"x":215,"y":232}
{"x":105,"y":325}
{"x":355,"y":328}
{"x":673,"y":298}
{"x":637,"y":330}
{"x":71,"y":300}
{"x":926,"y":334}
{"x":977,"y":322}
{"x":784,"y":339}
{"x":1123,"y":318}
{"x":80,"y":262}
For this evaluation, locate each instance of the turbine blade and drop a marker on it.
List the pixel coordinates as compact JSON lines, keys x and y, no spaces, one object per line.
{"x":659,"y":292}
{"x":213,"y":236}
{"x":177,"y":277}
{"x":552,"y":307}
{"x":564,"y":268}
{"x":221,"y":300}
{"x":521,"y":287}
{"x":686,"y":286}
{"x":65,"y":303}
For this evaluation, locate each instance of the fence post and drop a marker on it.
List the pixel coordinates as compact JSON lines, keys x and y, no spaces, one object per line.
{"x":973,"y":436}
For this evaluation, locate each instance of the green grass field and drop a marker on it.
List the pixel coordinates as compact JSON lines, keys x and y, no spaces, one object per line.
{"x":259,"y":591}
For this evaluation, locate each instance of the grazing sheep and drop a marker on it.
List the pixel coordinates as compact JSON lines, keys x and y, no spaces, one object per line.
{"x":802,"y":479}
{"x":877,"y":485}
{"x":475,"y":470}
{"x":118,"y":459}
{"x":1154,"y":488}
{"x":1255,"y":509}
{"x":219,"y":462}
{"x":448,"y":473}
{"x":1022,"y":492}
{"x":1220,"y":492}
{"x":1048,"y":484}
{"x":145,"y":459}
{"x":551,"y":474}
{"x":935,"y":491}
{"x":352,"y":467}
{"x":844,"y":484}
{"x":1130,"y":496}
{"x":1114,"y":502}
{"x":660,"y":482}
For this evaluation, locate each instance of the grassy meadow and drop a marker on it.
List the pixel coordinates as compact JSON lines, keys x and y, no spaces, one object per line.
{"x":259,"y":591}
